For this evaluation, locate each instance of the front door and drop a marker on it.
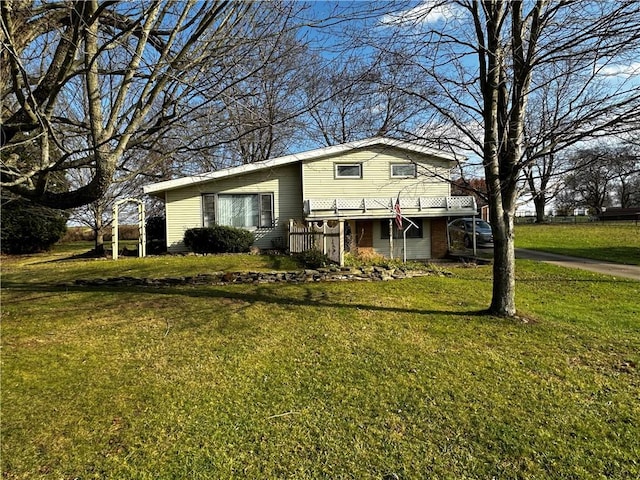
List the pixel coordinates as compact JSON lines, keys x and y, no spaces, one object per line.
{"x":363,"y":235}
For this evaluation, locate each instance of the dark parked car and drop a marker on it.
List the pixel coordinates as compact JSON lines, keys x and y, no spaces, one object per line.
{"x":461,"y":233}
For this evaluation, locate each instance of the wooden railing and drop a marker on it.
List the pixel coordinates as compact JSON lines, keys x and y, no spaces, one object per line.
{"x":328,"y":239}
{"x":343,"y":207}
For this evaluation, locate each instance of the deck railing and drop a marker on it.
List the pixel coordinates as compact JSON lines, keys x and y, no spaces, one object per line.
{"x":344,"y":207}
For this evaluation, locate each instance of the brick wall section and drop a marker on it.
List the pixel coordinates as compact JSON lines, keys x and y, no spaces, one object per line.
{"x":439,"y":245}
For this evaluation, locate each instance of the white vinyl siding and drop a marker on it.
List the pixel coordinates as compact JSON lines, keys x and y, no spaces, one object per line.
{"x":320,"y":181}
{"x":185,"y":207}
{"x":182,"y":211}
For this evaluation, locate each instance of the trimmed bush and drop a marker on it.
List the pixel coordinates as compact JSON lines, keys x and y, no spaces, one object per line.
{"x":30,"y":228}
{"x":218,"y":239}
{"x":313,"y":258}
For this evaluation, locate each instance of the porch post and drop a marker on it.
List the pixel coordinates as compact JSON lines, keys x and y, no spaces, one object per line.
{"x":391,"y":238}
{"x":341,"y":242}
{"x":324,"y":237}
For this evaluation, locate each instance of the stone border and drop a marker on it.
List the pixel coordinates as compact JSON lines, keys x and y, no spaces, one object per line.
{"x":328,"y":274}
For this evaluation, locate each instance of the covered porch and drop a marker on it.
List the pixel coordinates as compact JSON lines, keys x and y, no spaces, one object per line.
{"x":413,"y":228}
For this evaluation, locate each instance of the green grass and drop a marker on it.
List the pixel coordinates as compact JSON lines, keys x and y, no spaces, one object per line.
{"x":323,"y":380}
{"x":62,"y":265}
{"x":615,"y":242}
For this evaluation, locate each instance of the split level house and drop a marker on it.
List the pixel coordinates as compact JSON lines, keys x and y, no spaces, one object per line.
{"x":387,"y":196}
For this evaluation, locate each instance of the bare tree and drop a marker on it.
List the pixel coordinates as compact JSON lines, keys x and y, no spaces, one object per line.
{"x":355,"y":97}
{"x":600,"y":177}
{"x":114,"y":75}
{"x":590,"y":183}
{"x":626,"y":170}
{"x":97,"y":215}
{"x":551,"y":115}
{"x":486,"y":58}
{"x":262,"y":113}
{"x":544,"y":167}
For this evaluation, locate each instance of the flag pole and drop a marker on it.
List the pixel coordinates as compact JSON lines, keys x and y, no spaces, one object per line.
{"x":399,"y":217}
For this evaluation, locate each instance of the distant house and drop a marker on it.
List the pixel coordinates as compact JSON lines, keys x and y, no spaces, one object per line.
{"x":359,"y":186}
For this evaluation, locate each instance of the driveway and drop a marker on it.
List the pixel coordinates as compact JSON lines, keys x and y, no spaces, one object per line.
{"x":608,"y":268}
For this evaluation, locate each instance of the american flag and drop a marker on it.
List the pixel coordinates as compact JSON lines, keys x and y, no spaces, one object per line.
{"x":398,"y":213}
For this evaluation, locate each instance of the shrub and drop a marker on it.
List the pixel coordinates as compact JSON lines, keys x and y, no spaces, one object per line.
{"x":313,"y":258}
{"x":156,"y":230}
{"x":370,"y":259}
{"x":218,"y":239}
{"x":362,"y":258}
{"x":30,"y":228}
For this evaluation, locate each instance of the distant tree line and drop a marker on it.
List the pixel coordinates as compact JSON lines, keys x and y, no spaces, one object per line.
{"x":601,"y":177}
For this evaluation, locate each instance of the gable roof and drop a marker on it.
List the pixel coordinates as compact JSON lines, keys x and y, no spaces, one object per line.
{"x":297,"y":157}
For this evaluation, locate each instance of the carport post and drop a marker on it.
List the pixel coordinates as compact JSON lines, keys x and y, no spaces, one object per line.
{"x":473,"y":232}
{"x":341,"y":242}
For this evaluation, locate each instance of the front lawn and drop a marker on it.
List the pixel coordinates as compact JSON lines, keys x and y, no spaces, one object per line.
{"x":612,"y":242}
{"x":320,"y":380}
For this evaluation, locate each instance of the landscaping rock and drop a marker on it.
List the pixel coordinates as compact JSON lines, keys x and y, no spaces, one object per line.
{"x":329,"y":274}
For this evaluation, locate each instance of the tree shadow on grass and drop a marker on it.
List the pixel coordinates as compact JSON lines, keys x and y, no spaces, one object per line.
{"x":261,"y":294}
{"x":86,"y":255}
{"x":268,"y":294}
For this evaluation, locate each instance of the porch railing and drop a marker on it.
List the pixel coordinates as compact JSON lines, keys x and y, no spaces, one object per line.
{"x":328,"y":239}
{"x":344,"y":207}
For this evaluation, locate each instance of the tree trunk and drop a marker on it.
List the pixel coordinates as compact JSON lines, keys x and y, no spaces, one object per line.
{"x":99,"y":236}
{"x":503,"y":302}
{"x":540,"y":203}
{"x":99,"y":243}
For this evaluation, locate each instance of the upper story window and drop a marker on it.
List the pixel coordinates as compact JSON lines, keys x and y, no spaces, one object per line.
{"x":348,"y":170}
{"x":403,"y":170}
{"x":240,"y":210}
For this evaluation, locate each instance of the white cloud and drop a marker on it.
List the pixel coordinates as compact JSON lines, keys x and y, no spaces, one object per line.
{"x":631,"y":70}
{"x":429,"y":11}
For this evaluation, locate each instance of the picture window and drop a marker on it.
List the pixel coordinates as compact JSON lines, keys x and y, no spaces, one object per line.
{"x":238,"y":210}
